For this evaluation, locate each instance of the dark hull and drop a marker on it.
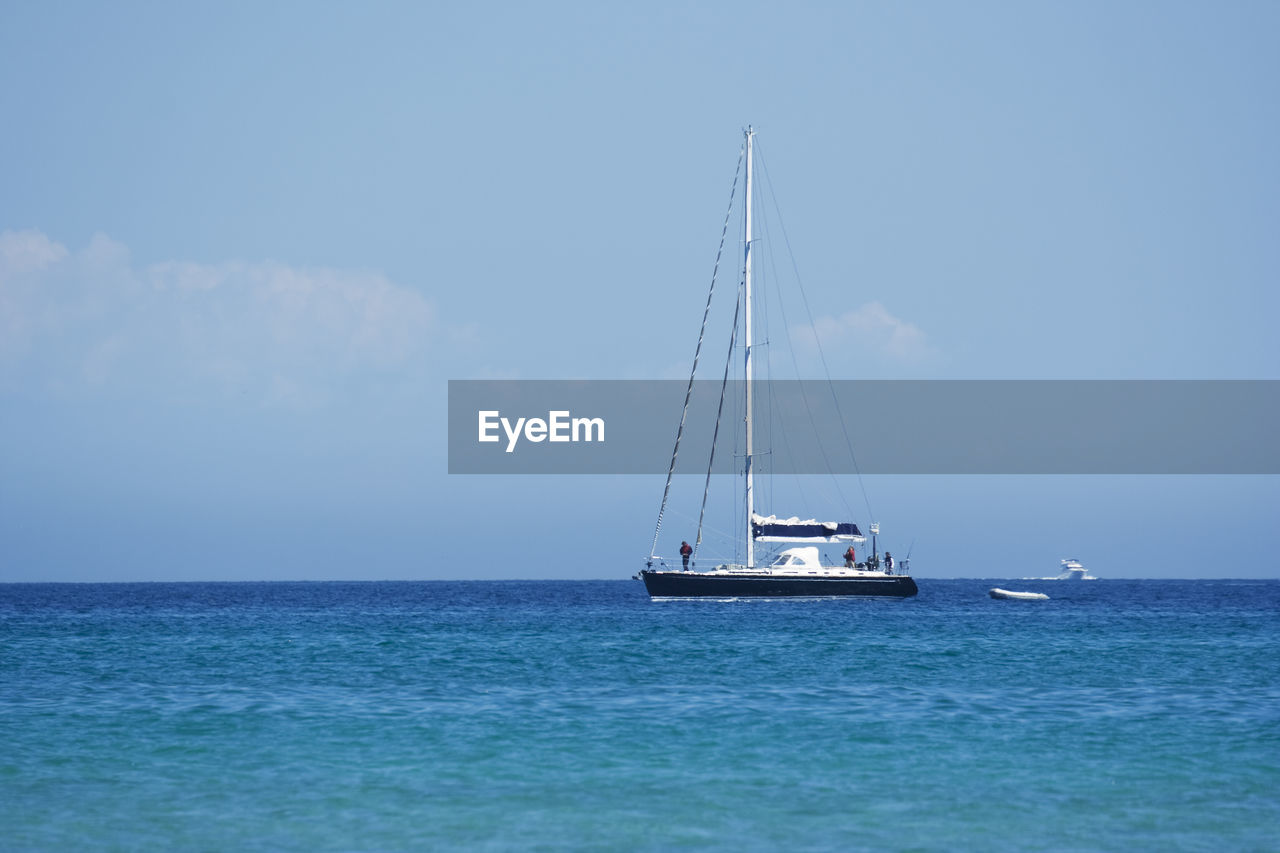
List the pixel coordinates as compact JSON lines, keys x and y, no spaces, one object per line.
{"x":694,"y":584}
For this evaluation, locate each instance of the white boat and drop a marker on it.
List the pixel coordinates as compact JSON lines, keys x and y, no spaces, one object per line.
{"x":997,"y":592}
{"x":797,"y":571}
{"x":1073,"y":570}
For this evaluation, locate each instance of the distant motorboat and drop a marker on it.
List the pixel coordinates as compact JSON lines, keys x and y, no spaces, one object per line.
{"x":997,"y":592}
{"x":1073,"y":570}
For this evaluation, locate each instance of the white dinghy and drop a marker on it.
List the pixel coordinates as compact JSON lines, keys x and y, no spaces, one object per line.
{"x":997,"y":592}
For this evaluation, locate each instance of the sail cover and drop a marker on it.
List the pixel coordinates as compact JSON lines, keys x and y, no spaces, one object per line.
{"x":773,"y":529}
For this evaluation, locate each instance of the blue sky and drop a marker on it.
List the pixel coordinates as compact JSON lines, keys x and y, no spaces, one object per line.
{"x":243,"y":247}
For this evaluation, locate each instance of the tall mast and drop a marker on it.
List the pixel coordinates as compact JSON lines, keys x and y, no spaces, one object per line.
{"x":746,"y":291}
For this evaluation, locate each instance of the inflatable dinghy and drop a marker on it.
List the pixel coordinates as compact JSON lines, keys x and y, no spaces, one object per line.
{"x":997,"y":592}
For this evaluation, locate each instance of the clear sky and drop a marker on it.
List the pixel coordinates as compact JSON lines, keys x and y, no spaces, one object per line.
{"x":243,"y":247}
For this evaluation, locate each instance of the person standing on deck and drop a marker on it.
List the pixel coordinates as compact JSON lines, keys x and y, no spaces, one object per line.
{"x":888,"y":563}
{"x":685,"y":551}
{"x":850,"y":558}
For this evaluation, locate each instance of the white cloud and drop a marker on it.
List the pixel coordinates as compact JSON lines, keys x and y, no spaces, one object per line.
{"x":23,"y":252}
{"x":24,"y":256}
{"x":870,"y":328}
{"x":277,"y":333}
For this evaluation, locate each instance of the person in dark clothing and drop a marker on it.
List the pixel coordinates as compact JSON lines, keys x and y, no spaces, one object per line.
{"x":850,"y":558}
{"x":888,"y":563}
{"x":686,"y":550}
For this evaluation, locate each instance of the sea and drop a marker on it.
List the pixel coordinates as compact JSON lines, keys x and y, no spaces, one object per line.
{"x":388,"y":716}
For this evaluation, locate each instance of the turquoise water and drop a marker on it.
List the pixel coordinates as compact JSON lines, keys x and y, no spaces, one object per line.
{"x":400,"y":716}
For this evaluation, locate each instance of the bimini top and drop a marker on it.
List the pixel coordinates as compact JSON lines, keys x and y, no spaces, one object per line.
{"x":773,"y":529}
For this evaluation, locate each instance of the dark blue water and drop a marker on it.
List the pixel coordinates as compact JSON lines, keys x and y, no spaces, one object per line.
{"x":396,"y":716}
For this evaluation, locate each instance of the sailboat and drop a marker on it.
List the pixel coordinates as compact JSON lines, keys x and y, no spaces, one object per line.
{"x":797,"y":571}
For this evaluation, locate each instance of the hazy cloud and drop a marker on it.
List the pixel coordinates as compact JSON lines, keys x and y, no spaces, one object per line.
{"x":27,"y":252}
{"x":869,"y":328}
{"x":91,"y":318}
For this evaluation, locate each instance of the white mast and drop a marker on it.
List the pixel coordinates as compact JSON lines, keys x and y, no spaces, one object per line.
{"x":746,"y":291}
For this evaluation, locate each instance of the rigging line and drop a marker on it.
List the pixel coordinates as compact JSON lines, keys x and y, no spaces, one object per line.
{"x":666,"y":492}
{"x":791,"y":350}
{"x":764,"y":287}
{"x":709,"y":529}
{"x":822,"y":355}
{"x":800,"y":384}
{"x":782,"y":433}
{"x":706,"y":488}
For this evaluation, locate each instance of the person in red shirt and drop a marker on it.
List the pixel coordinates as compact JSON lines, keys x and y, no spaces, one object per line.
{"x":850,"y":558}
{"x":685,"y":551}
